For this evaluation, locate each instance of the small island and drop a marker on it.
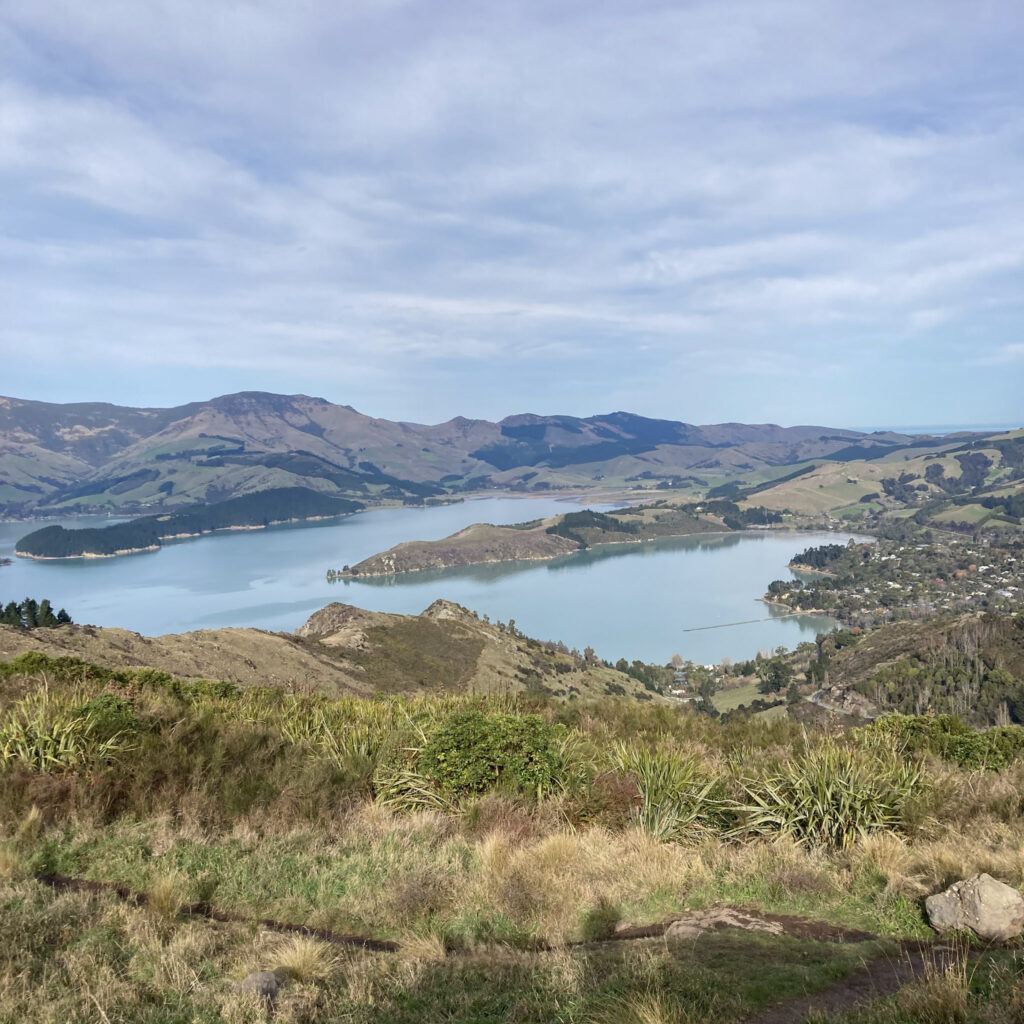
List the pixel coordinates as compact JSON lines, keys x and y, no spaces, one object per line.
{"x":248,"y":512}
{"x":543,"y":539}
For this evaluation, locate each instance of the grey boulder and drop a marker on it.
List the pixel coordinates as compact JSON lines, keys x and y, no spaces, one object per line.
{"x":263,"y":984}
{"x":981,"y":904}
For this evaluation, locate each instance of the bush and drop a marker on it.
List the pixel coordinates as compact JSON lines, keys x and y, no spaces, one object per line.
{"x":43,"y":736}
{"x":107,"y":716}
{"x":471,"y":752}
{"x":951,"y":738}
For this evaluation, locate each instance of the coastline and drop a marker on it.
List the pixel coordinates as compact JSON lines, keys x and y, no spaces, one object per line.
{"x":179,"y":536}
{"x":335,"y":575}
{"x":86,"y":554}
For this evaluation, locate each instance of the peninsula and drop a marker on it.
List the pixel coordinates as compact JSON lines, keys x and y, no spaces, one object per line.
{"x":543,"y":539}
{"x":249,"y":512}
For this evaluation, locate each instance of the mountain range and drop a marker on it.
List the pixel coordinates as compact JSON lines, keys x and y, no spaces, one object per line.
{"x":101,"y":457}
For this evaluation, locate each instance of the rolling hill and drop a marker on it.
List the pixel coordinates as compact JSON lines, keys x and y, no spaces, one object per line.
{"x":100,"y":457}
{"x":343,"y":650}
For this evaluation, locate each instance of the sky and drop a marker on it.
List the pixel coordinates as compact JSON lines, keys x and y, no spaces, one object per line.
{"x":791,"y":212}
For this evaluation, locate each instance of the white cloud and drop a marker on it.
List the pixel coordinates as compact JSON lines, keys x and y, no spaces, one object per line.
{"x":521,"y":187}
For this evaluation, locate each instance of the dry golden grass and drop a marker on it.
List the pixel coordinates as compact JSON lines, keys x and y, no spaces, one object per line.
{"x":305,"y":959}
{"x":649,"y":1009}
{"x":164,"y":898}
{"x":30,"y":826}
{"x":12,"y":864}
{"x":428,"y":948}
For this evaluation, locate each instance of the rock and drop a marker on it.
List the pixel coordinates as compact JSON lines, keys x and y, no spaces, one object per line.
{"x":701,"y":921}
{"x":263,"y":984}
{"x":981,"y":904}
{"x":845,"y":701}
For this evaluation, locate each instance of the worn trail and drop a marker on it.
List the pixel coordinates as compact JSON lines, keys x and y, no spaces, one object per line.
{"x":64,"y":883}
{"x":879,"y":977}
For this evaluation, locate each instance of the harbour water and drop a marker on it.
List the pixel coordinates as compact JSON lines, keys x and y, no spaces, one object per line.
{"x":635,"y":601}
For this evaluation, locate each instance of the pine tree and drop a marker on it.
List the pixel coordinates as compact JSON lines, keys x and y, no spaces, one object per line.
{"x":45,"y":616}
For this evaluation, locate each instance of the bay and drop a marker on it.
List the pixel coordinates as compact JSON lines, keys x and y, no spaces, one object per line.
{"x":634,"y":601}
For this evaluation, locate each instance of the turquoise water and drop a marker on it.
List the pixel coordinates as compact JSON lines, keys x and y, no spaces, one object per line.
{"x":633,"y":601}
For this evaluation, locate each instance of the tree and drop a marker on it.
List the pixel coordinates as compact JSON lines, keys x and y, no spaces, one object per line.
{"x":45,"y":616}
{"x":775,"y":675}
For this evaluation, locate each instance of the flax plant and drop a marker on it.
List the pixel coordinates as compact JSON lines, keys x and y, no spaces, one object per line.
{"x":46,"y":735}
{"x":678,"y":800}
{"x":831,"y":794}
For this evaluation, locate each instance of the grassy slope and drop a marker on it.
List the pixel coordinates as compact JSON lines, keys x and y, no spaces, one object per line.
{"x":375,"y":652}
{"x":829,"y":486}
{"x":468,"y":892}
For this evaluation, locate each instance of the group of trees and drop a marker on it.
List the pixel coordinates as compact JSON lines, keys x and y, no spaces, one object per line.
{"x":572,"y":522}
{"x":818,"y":557}
{"x":30,"y":614}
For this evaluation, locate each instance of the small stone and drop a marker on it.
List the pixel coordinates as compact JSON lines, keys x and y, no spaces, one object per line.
{"x":981,"y":904}
{"x":263,"y":984}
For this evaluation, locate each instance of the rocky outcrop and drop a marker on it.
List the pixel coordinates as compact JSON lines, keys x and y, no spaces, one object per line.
{"x":845,"y":702}
{"x":981,"y":904}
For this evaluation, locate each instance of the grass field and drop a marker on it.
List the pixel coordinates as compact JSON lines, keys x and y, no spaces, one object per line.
{"x":727,"y":700}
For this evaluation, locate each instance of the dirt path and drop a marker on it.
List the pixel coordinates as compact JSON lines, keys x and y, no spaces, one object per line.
{"x":65,"y":884}
{"x":880,"y":977}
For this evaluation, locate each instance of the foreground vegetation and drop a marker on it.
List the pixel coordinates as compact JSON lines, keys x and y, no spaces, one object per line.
{"x":496,"y":841}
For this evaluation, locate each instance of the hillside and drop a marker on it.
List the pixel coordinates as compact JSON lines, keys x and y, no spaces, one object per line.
{"x":344,"y":650}
{"x":165,"y":847}
{"x":971,"y":666}
{"x":958,"y":481}
{"x":94,"y":456}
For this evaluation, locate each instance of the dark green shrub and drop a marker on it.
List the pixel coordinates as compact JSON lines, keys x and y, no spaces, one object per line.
{"x":471,"y":752}
{"x":600,"y":921}
{"x":108,"y":715}
{"x":952,"y":739}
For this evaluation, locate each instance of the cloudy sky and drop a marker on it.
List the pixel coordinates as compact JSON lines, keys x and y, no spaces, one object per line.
{"x":804,"y":211}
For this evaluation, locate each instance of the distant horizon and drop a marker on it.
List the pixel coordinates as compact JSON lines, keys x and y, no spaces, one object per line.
{"x":912,"y":429}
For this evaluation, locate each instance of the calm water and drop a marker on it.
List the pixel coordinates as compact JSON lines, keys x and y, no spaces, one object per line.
{"x":628,"y":600}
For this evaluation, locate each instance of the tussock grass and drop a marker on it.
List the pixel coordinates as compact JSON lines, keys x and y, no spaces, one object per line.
{"x":12,"y":864}
{"x":649,"y":1009}
{"x":164,"y":897}
{"x":305,"y":959}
